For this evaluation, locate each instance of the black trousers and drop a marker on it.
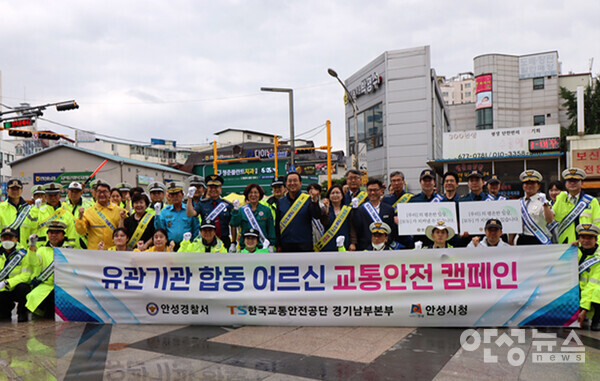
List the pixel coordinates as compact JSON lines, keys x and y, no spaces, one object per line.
{"x":527,"y":240}
{"x":8,"y":299}
{"x":297,"y":247}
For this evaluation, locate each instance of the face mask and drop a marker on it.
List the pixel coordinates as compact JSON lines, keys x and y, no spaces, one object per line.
{"x":379,"y":246}
{"x":7,"y":245}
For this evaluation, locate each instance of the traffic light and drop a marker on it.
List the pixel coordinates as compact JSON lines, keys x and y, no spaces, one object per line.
{"x":303,"y":150}
{"x":65,"y":106}
{"x":20,"y":133}
{"x":29,"y":134}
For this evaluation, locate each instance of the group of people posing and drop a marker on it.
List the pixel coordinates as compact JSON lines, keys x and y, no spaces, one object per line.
{"x":343,"y":218}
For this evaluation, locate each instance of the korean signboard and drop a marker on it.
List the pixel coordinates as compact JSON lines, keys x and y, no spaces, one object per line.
{"x":588,"y":160}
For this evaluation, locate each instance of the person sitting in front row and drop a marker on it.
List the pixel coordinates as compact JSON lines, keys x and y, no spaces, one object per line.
{"x":493,"y":235}
{"x":439,"y":233}
{"x":160,"y":240}
{"x":208,"y":242}
{"x":251,"y":243}
{"x":120,"y":238}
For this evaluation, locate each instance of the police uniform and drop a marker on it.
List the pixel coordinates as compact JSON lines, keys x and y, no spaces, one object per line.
{"x":382,"y":228}
{"x":535,"y":209}
{"x":156,"y":187}
{"x":198,"y":245}
{"x":472,"y":196}
{"x":206,"y":206}
{"x":39,"y":218}
{"x":565,"y":204}
{"x":589,"y":276}
{"x":16,"y":281}
{"x":74,"y":210}
{"x":41,"y":298}
{"x":271,"y":202}
{"x":494,"y":179}
{"x":13,"y":215}
{"x":196,"y":181}
{"x":176,"y":222}
{"x":253,"y":233}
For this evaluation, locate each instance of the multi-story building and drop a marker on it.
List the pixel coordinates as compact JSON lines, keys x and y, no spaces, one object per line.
{"x":401,"y":114}
{"x":518,"y":101}
{"x":458,"y":89}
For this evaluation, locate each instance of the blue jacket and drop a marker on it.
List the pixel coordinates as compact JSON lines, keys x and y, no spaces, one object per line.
{"x":422,"y":197}
{"x":299,"y":230}
{"x":176,"y":223}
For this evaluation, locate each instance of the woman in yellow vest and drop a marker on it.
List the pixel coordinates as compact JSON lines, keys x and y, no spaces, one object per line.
{"x":120,"y":239}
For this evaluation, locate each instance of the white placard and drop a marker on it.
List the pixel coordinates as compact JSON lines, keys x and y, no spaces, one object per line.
{"x":473,"y":215}
{"x":413,"y":218}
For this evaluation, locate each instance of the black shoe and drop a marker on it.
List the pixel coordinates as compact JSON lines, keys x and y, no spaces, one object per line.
{"x":595,"y":326}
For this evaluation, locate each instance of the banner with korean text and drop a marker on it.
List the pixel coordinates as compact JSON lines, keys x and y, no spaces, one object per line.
{"x":506,"y":286}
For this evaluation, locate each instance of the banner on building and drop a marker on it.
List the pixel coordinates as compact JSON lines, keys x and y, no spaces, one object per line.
{"x":435,"y":287}
{"x":474,"y":215}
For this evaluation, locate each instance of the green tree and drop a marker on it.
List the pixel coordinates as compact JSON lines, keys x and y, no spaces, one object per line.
{"x":591,"y":111}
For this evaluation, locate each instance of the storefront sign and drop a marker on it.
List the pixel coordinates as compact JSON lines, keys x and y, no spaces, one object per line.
{"x":545,"y":144}
{"x":499,"y":287}
{"x":367,"y":85}
{"x":483,"y":83}
{"x":538,"y":65}
{"x":499,"y":142}
{"x":588,"y":160}
{"x":473,"y":215}
{"x":413,"y":218}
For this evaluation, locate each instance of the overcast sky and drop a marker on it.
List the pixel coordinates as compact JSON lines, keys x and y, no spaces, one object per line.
{"x":183,"y":70}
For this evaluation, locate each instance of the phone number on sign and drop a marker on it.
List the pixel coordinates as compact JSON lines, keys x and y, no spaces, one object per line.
{"x":480,"y":155}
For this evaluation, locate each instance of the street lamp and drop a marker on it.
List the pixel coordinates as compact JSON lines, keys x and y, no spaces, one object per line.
{"x":291,"y":106}
{"x":36,"y":111}
{"x":355,"y":111}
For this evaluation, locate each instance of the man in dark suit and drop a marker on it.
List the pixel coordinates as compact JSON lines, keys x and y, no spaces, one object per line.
{"x":371,"y":211}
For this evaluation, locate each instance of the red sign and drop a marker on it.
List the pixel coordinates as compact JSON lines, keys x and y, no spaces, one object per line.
{"x":483,"y":83}
{"x":544,"y":144}
{"x":588,"y":160}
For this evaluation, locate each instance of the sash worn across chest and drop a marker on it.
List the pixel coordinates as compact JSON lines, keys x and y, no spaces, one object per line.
{"x":294,"y":209}
{"x":12,"y":263}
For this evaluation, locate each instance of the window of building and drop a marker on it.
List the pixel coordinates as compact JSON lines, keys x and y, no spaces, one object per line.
{"x":249,"y":137}
{"x":539,"y":120}
{"x":467,"y":85}
{"x":370,"y":128}
{"x":272,"y":141}
{"x":538,"y":83}
{"x":484,"y":119}
{"x":467,"y":94}
{"x":444,"y":93}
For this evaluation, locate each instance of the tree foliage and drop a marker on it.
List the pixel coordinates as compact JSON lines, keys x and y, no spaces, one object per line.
{"x":591,"y":111}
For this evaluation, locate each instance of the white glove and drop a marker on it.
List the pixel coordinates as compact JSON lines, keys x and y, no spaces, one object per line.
{"x":187,"y":236}
{"x":2,"y":284}
{"x":418,"y":245}
{"x":236,"y":204}
{"x":266,"y":243}
{"x":33,"y":239}
{"x":355,"y":203}
{"x":232,"y":248}
{"x":38,"y":203}
{"x":339,"y":241}
{"x":191,"y":192}
{"x":157,"y":208}
{"x":542,"y":197}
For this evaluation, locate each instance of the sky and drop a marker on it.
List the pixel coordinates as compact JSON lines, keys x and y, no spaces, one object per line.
{"x":183,"y":70}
